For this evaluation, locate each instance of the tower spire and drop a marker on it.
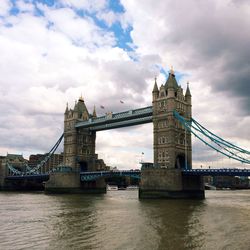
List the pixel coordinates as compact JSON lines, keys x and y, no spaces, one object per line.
{"x":81,"y":98}
{"x":171,"y":81}
{"x":67,"y":108}
{"x":171,"y":70}
{"x":155,"y":86}
{"x":188,"y":93}
{"x":94,"y":112}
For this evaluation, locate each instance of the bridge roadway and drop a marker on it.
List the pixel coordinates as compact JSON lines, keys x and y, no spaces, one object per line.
{"x":90,"y":176}
{"x":118,"y":120}
{"x":31,"y":177}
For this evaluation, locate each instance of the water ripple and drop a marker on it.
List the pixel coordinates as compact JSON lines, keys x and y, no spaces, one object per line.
{"x":118,"y":220}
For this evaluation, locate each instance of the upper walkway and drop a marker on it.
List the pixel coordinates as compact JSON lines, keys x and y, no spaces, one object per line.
{"x":118,"y":120}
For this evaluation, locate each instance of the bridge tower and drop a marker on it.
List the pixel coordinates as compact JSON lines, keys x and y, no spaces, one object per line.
{"x":79,"y":154}
{"x":172,"y":146}
{"x":79,"y":144}
{"x":172,"y":143}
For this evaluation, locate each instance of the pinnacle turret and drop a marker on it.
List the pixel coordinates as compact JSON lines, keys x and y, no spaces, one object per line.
{"x":188,"y":93}
{"x":94,"y":113}
{"x":67,"y":109}
{"x":81,"y":99}
{"x":155,"y":86}
{"x":80,"y":109}
{"x":171,"y":81}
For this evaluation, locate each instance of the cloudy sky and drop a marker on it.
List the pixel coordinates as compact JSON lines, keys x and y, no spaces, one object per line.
{"x":52,"y":51}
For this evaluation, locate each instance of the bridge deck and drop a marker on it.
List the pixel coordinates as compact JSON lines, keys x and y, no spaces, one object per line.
{"x":89,"y":176}
{"x":41,"y":177}
{"x":118,"y":120}
{"x":217,"y":172}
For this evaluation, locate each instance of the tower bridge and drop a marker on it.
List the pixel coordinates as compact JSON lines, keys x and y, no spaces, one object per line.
{"x":172,"y":143}
{"x":171,"y":174}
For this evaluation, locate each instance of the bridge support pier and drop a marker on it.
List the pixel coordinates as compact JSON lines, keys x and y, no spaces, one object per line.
{"x":61,"y":182}
{"x":170,"y":184}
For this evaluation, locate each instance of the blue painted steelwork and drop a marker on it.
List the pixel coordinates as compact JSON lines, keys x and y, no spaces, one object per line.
{"x":91,"y":176}
{"x":40,"y":177}
{"x":118,"y":120}
{"x":34,"y":171}
{"x":213,"y":141}
{"x":217,"y":172}
{"x":135,"y":117}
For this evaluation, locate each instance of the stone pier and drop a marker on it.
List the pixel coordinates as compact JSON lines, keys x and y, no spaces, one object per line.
{"x":172,"y":146}
{"x":170,"y":183}
{"x":65,"y":182}
{"x":79,"y":155}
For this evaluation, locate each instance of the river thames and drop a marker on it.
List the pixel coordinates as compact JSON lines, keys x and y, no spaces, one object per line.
{"x":119,"y":220}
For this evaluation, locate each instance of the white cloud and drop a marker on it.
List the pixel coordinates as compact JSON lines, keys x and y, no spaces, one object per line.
{"x":208,"y":41}
{"x":123,"y":147}
{"x":89,"y":5}
{"x":5,"y":7}
{"x":25,"y":6}
{"x":81,"y":31}
{"x":43,"y":68}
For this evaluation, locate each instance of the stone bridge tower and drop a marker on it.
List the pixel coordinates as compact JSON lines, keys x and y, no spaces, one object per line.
{"x":172,"y":147}
{"x":172,"y":143}
{"x":79,"y":154}
{"x":79,"y":144}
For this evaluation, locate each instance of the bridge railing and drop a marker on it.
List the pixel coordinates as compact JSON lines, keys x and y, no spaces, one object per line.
{"x":37,"y":169}
{"x":90,"y":176}
{"x":116,"y":117}
{"x":215,"y":142}
{"x":217,"y":172}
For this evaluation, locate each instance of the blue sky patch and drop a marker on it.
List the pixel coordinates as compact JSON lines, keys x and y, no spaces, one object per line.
{"x":116,"y":6}
{"x":47,"y":2}
{"x":123,"y":36}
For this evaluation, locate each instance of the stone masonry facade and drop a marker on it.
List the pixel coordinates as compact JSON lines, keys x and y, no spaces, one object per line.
{"x":172,"y":143}
{"x":79,"y":144}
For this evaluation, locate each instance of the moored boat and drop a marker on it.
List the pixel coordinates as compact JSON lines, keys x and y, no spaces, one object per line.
{"x":112,"y":187}
{"x":132,"y":187}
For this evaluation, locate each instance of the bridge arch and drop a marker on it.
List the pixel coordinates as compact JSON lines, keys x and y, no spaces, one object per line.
{"x":180,"y":161}
{"x":83,"y":165}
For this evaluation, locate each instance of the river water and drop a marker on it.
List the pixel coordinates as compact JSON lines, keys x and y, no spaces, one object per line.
{"x":118,"y":220}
